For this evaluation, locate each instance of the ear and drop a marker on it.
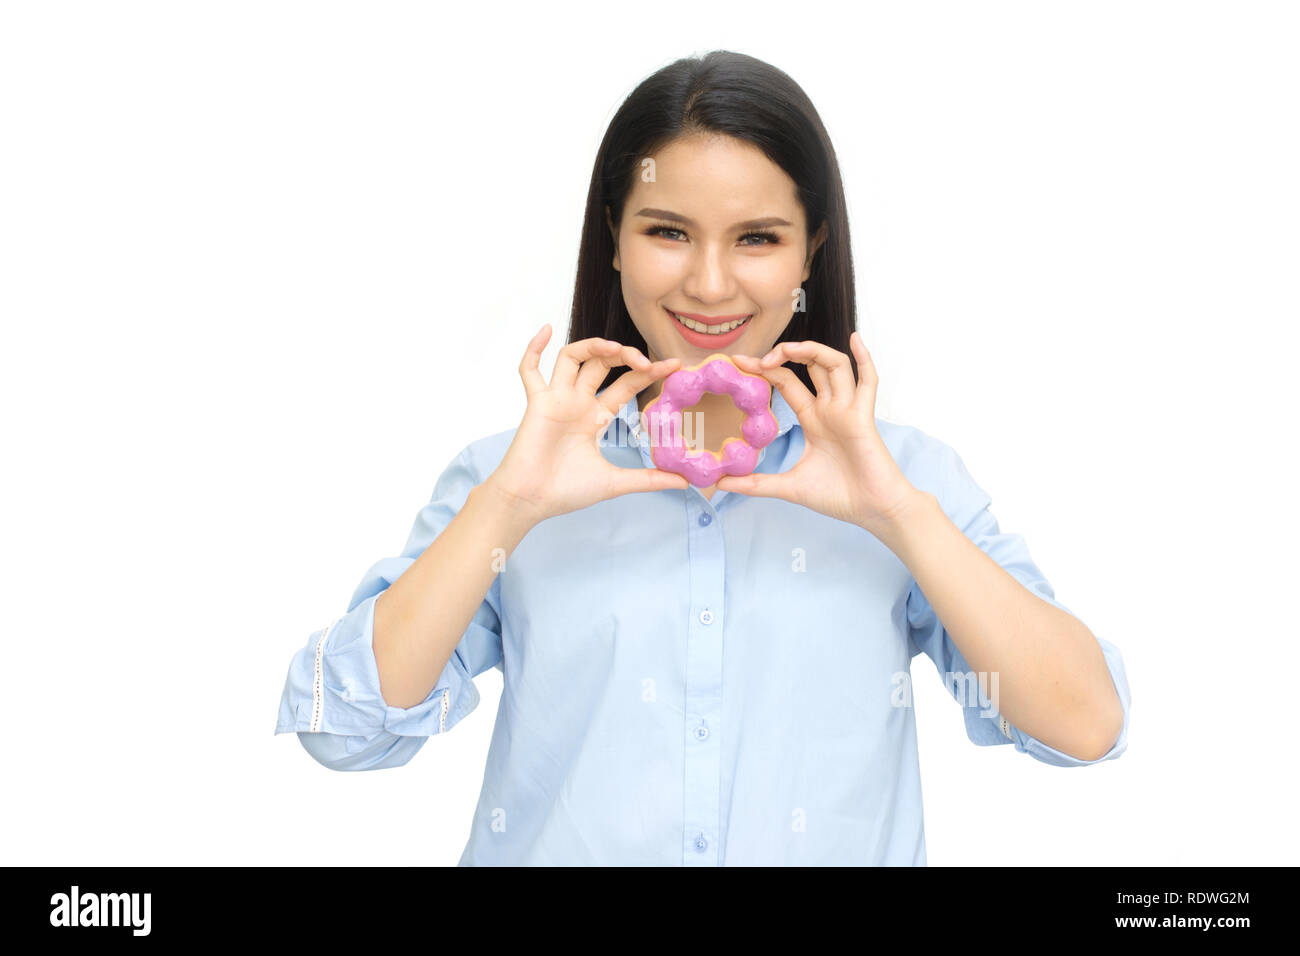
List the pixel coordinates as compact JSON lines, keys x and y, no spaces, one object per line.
{"x":813,"y":246}
{"x":613,"y":232}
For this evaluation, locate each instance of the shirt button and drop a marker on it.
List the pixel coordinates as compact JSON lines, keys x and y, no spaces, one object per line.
{"x":701,"y":844}
{"x":705,"y":519}
{"x":701,"y":732}
{"x":706,"y":617}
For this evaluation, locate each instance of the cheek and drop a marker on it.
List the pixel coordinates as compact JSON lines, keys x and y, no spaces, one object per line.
{"x":647,"y":270}
{"x":774,"y":284}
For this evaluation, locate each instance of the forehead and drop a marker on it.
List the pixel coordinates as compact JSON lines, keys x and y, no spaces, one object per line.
{"x":715,"y":180}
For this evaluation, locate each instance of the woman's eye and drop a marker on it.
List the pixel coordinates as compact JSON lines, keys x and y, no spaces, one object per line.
{"x":769,"y":238}
{"x":660,"y":230}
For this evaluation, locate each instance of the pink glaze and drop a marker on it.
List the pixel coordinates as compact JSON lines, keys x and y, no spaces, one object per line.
{"x":684,"y":388}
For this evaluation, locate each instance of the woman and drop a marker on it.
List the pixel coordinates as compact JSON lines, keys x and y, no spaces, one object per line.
{"x":712,"y":675}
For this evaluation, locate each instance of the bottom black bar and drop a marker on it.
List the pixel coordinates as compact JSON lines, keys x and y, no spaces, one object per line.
{"x":333,"y":904}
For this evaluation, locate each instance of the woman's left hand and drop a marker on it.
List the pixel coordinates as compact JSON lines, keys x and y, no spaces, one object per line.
{"x":845,"y":471}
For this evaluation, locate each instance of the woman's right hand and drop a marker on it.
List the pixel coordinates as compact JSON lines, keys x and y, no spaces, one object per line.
{"x":554,"y":464}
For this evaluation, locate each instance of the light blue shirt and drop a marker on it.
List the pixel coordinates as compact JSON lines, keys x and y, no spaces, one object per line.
{"x":685,"y":681}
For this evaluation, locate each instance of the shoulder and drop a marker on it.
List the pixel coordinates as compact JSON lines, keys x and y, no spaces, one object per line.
{"x":482,"y":456}
{"x":934,"y":466}
{"x":924,"y":459}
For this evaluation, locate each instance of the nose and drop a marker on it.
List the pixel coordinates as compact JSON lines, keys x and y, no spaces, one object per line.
{"x":708,"y":277}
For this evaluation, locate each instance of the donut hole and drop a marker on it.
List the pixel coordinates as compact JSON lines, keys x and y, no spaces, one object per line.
{"x":705,"y":429}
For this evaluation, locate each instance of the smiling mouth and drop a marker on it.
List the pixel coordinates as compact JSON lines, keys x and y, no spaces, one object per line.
{"x":720,"y":329}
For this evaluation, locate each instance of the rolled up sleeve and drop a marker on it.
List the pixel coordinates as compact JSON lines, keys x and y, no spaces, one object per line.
{"x":967,"y":505}
{"x":332,"y":696}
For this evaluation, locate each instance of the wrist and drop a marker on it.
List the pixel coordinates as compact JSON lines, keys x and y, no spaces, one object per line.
{"x":910,"y":512}
{"x":517,"y":509}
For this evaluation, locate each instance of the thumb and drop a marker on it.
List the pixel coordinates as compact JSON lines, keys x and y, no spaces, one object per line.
{"x":755,"y":485}
{"x":634,"y":480}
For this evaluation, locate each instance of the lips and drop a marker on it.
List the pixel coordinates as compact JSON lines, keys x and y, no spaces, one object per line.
{"x":709,"y":340}
{"x":711,"y":319}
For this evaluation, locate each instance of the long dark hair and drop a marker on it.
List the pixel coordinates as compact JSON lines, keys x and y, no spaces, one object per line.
{"x":735,"y":95}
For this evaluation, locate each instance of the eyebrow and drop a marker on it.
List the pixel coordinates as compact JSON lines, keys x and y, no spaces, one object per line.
{"x":747,"y":224}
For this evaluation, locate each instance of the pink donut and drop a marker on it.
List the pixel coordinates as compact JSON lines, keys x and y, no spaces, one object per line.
{"x":682,"y":389}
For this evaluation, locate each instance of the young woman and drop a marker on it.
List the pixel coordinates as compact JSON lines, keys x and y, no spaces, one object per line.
{"x":705,"y":676}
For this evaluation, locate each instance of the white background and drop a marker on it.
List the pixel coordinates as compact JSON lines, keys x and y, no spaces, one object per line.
{"x":265,"y":268}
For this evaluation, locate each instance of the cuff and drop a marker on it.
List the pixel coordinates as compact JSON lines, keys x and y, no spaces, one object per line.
{"x":333,"y":687}
{"x":991,"y":729}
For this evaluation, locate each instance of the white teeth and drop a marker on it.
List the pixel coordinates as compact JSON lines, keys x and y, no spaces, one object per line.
{"x":708,"y":329}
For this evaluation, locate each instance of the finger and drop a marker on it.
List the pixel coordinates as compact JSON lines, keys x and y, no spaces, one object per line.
{"x":795,"y":352}
{"x":828,"y":368}
{"x":630,"y":481}
{"x":795,"y":393}
{"x":777,"y":485}
{"x":533,"y":381}
{"x":631,"y":383}
{"x":596,"y":369}
{"x":821,"y":381}
{"x":868,"y":380}
{"x":574,"y":354}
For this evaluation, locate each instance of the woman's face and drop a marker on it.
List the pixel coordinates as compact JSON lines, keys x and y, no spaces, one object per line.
{"x":718,"y":236}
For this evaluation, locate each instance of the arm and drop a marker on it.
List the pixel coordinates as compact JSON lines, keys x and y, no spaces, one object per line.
{"x":1052,"y":678}
{"x":367,"y":692}
{"x":420,"y":619}
{"x":334,"y":697}
{"x":1064,"y":687}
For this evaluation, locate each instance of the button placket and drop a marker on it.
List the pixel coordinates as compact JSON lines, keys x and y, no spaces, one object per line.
{"x":702,"y":771}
